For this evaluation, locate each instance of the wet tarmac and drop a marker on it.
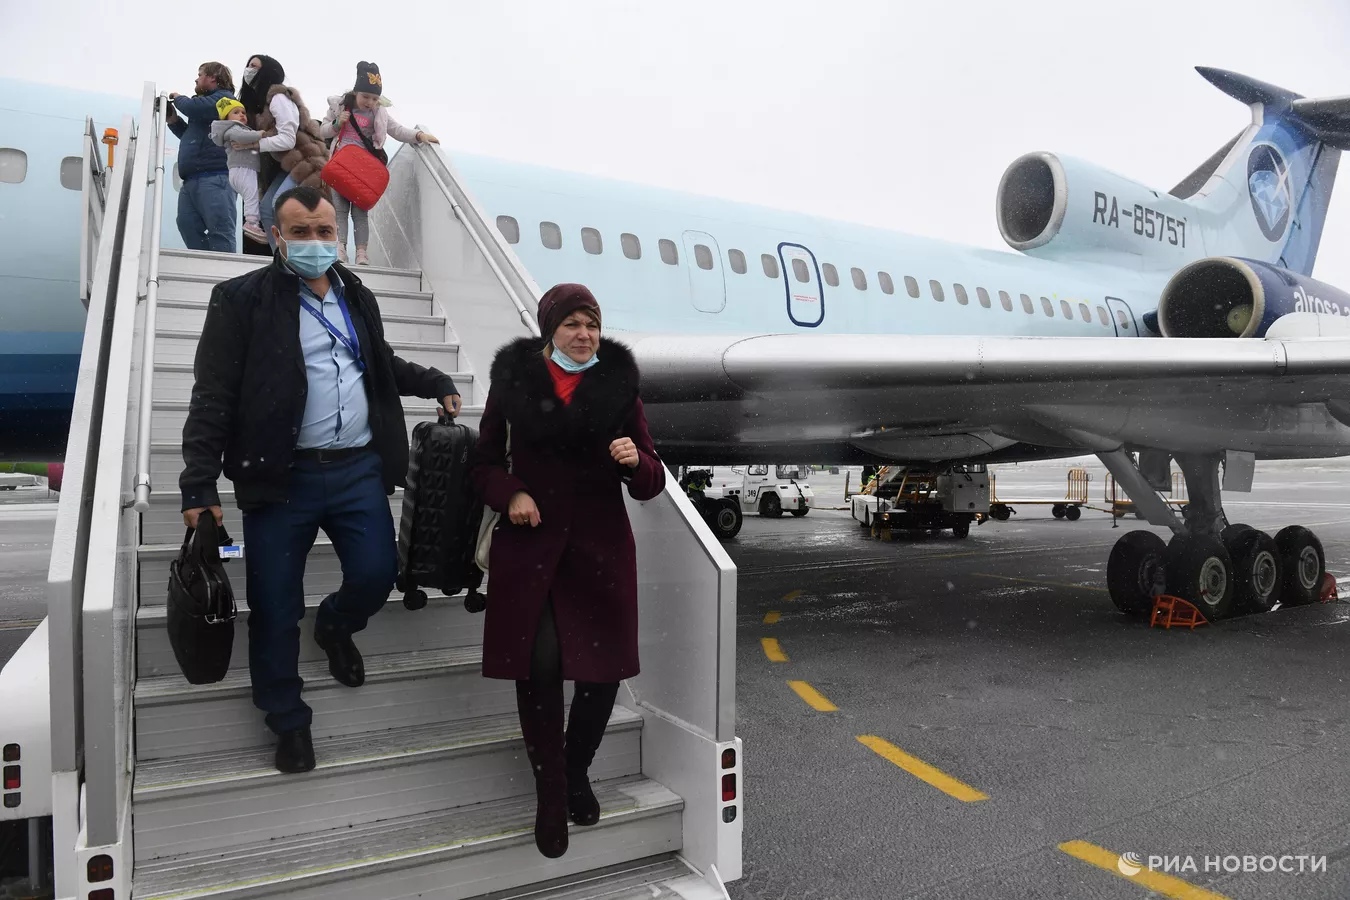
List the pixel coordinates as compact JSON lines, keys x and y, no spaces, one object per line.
{"x":973,"y":718}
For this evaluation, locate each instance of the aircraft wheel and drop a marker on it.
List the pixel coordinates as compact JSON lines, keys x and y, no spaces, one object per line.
{"x":1303,"y":562}
{"x":770,"y":507}
{"x":1257,"y":573}
{"x":1073,"y":513}
{"x":1230,"y":535}
{"x":1200,"y":571}
{"x":1135,"y":572}
{"x":961,"y":529}
{"x":727,"y":519}
{"x":1058,"y":511}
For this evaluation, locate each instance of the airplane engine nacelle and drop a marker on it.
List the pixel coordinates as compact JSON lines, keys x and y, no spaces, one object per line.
{"x":1224,"y":296}
{"x":1059,"y":207}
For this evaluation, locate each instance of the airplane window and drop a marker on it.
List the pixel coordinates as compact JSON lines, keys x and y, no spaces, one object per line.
{"x":72,"y":173}
{"x":884,"y":279}
{"x":703,"y":256}
{"x":669,"y":255}
{"x":509,"y":228}
{"x":1005,"y":300}
{"x":551,"y":235}
{"x":799,"y":269}
{"x":737,"y":259}
{"x":590,"y":241}
{"x":1103,"y":318}
{"x":831,"y":274}
{"x":1084,"y":313}
{"x":911,"y":287}
{"x":770,"y":265}
{"x":983,"y":295}
{"x":1048,"y":307}
{"x":632,"y":247}
{"x":859,"y":278}
{"x":13,"y":165}
{"x":1124,"y":322}
{"x":961,"y":296}
{"x":1066,"y":309}
{"x":937,"y":291}
{"x":1027,"y":306}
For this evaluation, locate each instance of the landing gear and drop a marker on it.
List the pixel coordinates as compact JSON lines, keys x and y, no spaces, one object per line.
{"x":1221,"y":569}
{"x":1135,"y":572}
{"x":1304,"y":564}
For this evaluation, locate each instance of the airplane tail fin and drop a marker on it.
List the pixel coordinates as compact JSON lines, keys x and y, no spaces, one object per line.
{"x":1264,"y":195}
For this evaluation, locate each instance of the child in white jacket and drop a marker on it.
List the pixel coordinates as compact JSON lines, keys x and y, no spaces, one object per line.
{"x":232,"y":128}
{"x":362,"y":108}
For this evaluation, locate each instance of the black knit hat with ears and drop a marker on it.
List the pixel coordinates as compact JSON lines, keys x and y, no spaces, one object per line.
{"x":368,"y":79}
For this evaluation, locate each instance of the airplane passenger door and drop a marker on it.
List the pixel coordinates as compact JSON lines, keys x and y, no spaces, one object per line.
{"x":707,"y":283}
{"x":801,"y":279}
{"x":1122,"y":317}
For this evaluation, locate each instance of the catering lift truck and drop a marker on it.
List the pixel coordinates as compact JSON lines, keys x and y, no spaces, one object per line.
{"x":785,"y":490}
{"x":920,"y":498}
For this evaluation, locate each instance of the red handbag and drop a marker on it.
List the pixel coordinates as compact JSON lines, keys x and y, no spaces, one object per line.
{"x":356,"y":175}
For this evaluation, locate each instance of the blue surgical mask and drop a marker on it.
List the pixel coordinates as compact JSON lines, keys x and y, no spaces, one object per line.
{"x":310,"y":259}
{"x":568,"y":364}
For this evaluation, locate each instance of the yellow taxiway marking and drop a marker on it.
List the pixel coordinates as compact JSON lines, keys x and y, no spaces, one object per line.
{"x":814,"y":698}
{"x":772,"y":618}
{"x":791,"y":595}
{"x":1166,"y":885}
{"x":922,"y":770}
{"x":772,"y":650}
{"x":1063,"y":584}
{"x":17,"y":626}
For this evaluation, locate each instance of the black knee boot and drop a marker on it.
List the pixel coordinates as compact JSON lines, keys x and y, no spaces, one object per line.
{"x":591,"y":706}
{"x":541,"y":721}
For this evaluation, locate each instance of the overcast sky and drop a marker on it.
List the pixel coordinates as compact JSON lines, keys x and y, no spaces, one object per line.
{"x":896,"y":114}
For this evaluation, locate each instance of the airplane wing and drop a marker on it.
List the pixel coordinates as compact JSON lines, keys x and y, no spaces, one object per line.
{"x":929,"y":398}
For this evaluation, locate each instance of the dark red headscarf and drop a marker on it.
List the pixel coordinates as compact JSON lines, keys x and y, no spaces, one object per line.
{"x":559,"y":302}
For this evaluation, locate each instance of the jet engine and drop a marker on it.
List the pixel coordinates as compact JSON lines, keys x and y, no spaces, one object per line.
{"x":1223,"y":296}
{"x":1059,"y":207}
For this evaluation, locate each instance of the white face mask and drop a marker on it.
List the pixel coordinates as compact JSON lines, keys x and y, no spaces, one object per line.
{"x":250,"y":74}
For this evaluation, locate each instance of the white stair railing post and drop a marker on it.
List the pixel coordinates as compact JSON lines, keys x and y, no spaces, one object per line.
{"x":143,"y":485}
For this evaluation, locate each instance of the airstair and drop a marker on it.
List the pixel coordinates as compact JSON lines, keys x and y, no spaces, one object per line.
{"x":166,"y":791}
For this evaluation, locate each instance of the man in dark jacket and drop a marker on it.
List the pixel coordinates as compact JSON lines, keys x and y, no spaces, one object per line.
{"x":298,"y":392}
{"x":206,"y":202}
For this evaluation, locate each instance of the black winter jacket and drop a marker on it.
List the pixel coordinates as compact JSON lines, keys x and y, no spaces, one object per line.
{"x":248,"y":399}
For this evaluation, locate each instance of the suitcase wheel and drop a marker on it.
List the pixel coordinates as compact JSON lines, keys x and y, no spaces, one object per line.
{"x":475,"y":602}
{"x":415,"y":599}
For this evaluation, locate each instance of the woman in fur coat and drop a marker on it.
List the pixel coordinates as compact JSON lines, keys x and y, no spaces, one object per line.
{"x":562,"y":596}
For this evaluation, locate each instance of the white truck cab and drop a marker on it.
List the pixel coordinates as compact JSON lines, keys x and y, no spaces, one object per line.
{"x":773,"y":490}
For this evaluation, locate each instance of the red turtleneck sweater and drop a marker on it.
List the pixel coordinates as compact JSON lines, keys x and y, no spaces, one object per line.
{"x":564,"y":383}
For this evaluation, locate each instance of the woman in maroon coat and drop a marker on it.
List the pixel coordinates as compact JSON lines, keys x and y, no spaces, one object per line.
{"x":562,"y":596}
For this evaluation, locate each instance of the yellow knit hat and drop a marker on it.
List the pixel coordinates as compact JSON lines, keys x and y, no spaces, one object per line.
{"x":225,"y":104}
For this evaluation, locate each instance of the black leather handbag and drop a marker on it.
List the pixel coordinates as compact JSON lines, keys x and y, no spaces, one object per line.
{"x":201,"y":609}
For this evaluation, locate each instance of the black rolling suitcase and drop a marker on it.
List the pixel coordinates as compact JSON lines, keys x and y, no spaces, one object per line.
{"x":438,"y":528}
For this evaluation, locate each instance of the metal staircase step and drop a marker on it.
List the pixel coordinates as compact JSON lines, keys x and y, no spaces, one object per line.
{"x":225,"y":799}
{"x":442,"y":624}
{"x":221,"y":266}
{"x":658,"y":878}
{"x":174,"y":718}
{"x":188,"y":316}
{"x":180,"y":287}
{"x":181,"y":347}
{"x":445,"y":855}
{"x":168,"y":416}
{"x":163,"y":522}
{"x":173,"y":381}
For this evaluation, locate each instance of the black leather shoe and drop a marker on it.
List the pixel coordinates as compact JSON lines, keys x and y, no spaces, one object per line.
{"x":295,"y":751}
{"x":344,"y":660}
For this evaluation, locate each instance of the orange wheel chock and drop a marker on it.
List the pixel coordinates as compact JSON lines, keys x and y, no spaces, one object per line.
{"x":1329,"y":590}
{"x":1169,"y":611}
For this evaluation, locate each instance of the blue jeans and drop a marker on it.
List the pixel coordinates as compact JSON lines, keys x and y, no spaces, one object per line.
{"x":347,"y":500}
{"x":282,"y":183}
{"x":206,"y":213}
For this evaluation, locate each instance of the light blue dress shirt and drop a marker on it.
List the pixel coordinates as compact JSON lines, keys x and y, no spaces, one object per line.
{"x":337,"y":413}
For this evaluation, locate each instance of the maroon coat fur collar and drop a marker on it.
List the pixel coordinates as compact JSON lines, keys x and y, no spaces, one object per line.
{"x":599,"y":408}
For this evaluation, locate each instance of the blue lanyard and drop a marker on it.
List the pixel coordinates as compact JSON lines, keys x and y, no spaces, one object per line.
{"x":351,"y":343}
